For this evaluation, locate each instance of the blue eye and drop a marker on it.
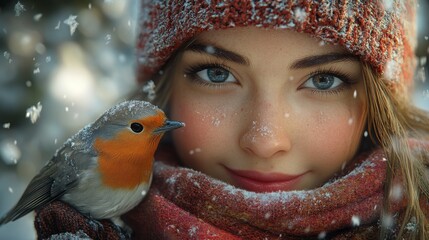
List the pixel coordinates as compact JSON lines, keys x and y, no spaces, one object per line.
{"x":323,"y":82}
{"x":216,"y":75}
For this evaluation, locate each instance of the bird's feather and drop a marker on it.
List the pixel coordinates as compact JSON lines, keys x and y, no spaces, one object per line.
{"x":54,"y":179}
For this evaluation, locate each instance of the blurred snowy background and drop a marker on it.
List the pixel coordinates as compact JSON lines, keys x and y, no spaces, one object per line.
{"x":61,"y":65}
{"x":68,"y":61}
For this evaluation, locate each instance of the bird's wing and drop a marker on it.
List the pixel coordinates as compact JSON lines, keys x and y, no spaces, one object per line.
{"x":53,"y":180}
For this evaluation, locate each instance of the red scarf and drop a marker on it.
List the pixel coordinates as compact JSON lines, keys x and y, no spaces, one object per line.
{"x":186,"y":204}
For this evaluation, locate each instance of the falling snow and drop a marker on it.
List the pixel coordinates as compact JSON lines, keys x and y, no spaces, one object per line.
{"x":391,"y":70}
{"x":108,"y":38}
{"x":6,"y":125}
{"x":267,"y":215}
{"x":423,"y":61}
{"x":421,"y":74}
{"x":37,"y":17}
{"x":321,"y":235}
{"x":387,"y":221}
{"x":425,"y":94}
{"x":396,"y":192}
{"x":19,"y":8}
{"x":10,"y":189}
{"x":388,"y":5}
{"x":355,"y":94}
{"x":300,"y":14}
{"x":210,"y":49}
{"x":34,"y":112}
{"x":355,"y":221}
{"x":9,"y":152}
{"x":193,"y":151}
{"x":149,"y":89}
{"x":71,"y":21}
{"x":6,"y":55}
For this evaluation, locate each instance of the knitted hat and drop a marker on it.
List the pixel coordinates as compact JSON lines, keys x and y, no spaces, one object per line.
{"x":381,"y":32}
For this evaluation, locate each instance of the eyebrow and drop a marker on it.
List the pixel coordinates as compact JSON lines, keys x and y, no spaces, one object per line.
{"x":306,"y":62}
{"x":218,"y":52}
{"x":312,"y":61}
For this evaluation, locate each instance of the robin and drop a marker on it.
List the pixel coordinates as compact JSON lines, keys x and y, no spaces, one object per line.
{"x":105,"y":169}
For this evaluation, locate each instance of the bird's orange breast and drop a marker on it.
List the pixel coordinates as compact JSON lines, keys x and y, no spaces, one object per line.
{"x":126,"y":162}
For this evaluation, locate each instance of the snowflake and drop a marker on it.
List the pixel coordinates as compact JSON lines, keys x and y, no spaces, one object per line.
{"x":300,"y":14}
{"x":37,"y":17}
{"x":108,"y":38}
{"x":34,"y":112}
{"x":391,"y":70}
{"x":9,"y":152}
{"x":71,"y":21}
{"x":149,"y":88}
{"x":19,"y":8}
{"x":6,"y":55}
{"x":355,"y":221}
{"x":387,"y":221}
{"x":58,"y":25}
{"x":426,"y":93}
{"x":210,"y":50}
{"x":322,"y":235}
{"x":388,"y":5}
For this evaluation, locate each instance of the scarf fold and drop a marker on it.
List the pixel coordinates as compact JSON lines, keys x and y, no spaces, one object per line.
{"x":186,"y":204}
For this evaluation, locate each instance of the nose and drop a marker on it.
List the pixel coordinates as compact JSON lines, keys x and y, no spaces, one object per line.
{"x":265,"y":134}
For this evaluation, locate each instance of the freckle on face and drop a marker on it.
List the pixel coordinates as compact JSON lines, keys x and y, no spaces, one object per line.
{"x":323,"y":130}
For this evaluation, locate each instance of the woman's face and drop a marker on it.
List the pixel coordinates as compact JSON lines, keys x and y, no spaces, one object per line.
{"x":267,"y":110}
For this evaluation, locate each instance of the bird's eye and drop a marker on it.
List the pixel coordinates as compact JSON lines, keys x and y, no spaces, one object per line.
{"x":136,"y":127}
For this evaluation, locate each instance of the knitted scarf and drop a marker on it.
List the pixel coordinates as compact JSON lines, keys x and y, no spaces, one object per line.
{"x":186,"y":204}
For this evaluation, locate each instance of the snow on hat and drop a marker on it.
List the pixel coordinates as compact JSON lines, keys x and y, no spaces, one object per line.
{"x":381,"y":32}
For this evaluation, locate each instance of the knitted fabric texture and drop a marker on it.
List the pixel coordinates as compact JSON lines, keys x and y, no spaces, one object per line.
{"x":381,"y":32}
{"x":58,"y":220}
{"x":186,"y":204}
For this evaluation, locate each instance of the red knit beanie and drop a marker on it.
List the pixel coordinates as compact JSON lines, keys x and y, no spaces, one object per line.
{"x":381,"y":32}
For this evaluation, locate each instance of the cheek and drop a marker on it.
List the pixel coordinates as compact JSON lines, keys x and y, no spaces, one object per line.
{"x":336,"y":134}
{"x":203,"y":135}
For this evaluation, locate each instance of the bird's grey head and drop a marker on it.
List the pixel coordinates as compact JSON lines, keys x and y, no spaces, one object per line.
{"x":121,"y":115}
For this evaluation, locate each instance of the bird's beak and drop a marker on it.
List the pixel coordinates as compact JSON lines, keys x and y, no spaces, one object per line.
{"x":169,"y":125}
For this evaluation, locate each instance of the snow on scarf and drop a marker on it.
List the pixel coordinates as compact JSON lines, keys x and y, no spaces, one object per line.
{"x":186,"y":204}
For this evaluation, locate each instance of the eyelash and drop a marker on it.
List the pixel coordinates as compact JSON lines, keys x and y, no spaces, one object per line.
{"x":344,"y":77}
{"x":192,"y":71}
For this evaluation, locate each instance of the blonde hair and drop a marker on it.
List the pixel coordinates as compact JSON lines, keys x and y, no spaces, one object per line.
{"x":392,"y":120}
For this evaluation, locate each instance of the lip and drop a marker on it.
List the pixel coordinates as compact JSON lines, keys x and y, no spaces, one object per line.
{"x":264,"y":182}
